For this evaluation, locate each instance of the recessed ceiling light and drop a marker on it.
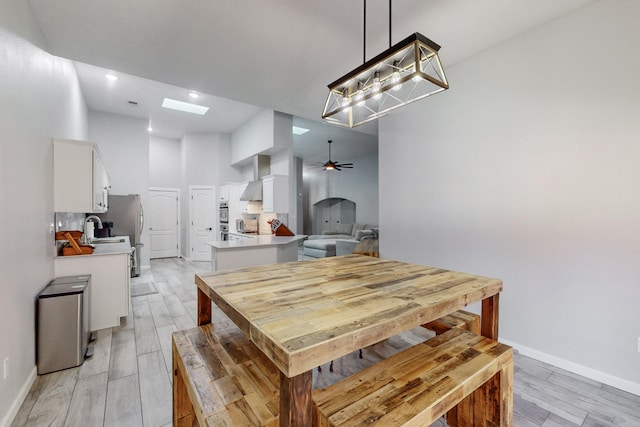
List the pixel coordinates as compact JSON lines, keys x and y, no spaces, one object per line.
{"x":149,"y":128}
{"x":184,"y":106}
{"x":111,"y":77}
{"x":194,"y":95}
{"x":299,"y":131}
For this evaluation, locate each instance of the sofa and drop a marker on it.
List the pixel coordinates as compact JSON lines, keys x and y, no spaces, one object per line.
{"x":345,"y":236}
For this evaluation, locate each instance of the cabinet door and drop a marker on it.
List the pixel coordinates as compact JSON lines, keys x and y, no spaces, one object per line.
{"x":268,"y":204}
{"x":242,"y":204}
{"x":100,"y":185}
{"x":80,"y":181}
{"x":72,"y":176}
{"x":109,"y":288}
{"x":223,"y":193}
{"x":275,"y":194}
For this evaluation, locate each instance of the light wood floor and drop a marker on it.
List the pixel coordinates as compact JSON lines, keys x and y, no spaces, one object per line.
{"x":128,"y":383}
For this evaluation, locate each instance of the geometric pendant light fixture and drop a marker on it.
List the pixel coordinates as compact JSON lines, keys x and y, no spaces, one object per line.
{"x":406,"y":72}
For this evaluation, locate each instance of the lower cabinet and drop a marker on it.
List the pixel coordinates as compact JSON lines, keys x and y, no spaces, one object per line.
{"x":109,"y":294}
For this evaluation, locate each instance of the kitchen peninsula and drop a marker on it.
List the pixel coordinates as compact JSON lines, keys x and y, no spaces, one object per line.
{"x":254,"y":250}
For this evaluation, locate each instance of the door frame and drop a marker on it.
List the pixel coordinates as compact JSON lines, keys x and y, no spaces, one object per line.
{"x":190,"y":230}
{"x":179,"y":214}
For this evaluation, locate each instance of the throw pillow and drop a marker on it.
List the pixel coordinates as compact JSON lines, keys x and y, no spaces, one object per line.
{"x":376,"y":233}
{"x":361,"y":234}
{"x":344,"y":228}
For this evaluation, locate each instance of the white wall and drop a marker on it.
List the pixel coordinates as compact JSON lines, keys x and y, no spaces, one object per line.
{"x":40,"y":98}
{"x":205,"y":161}
{"x":124,"y":148}
{"x":226,"y":172}
{"x":253,"y":137}
{"x":359,"y":185}
{"x":529,"y":173}
{"x":164,"y":162}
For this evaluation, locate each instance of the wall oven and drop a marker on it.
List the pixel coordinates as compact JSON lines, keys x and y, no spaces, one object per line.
{"x":223,"y":213}
{"x":224,"y":232}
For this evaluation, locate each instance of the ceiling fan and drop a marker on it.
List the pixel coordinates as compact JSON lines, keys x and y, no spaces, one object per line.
{"x":330,"y":165}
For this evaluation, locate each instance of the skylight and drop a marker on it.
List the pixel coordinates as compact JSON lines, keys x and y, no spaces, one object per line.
{"x":299,"y":131}
{"x":187,"y":107}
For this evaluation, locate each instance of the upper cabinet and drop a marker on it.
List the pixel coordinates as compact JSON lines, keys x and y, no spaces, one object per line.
{"x":223,"y":193}
{"x":275,"y":194}
{"x":80,"y":181}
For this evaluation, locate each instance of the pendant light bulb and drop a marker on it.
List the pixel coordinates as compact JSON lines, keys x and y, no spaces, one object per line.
{"x":375,"y":88}
{"x":416,"y":77}
{"x":345,"y":99}
{"x":360,"y":95}
{"x":395,"y":76}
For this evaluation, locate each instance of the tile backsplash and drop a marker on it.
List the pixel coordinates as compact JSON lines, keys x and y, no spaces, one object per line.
{"x":66,"y":221}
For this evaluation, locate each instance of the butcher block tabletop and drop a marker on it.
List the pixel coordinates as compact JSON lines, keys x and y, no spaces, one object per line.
{"x":303,"y":314}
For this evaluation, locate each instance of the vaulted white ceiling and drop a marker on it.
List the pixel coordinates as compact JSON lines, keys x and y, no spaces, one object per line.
{"x":278,"y":54}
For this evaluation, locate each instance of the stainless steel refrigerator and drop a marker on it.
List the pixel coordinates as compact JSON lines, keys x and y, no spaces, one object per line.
{"x":127,"y":216}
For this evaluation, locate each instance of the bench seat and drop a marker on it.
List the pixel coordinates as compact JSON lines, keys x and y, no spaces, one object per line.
{"x":221,"y":378}
{"x":459,"y":319}
{"x":419,"y":385}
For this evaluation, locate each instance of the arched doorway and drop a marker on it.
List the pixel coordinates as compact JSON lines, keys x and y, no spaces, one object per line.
{"x":328,"y":213}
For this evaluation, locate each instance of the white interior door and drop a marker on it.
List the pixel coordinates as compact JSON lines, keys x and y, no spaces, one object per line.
{"x":203,"y":219}
{"x":163,"y":223}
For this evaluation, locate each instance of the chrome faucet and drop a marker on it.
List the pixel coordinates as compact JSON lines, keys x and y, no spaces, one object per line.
{"x":86,"y":220}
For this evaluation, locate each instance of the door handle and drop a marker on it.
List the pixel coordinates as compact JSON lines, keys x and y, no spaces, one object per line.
{"x":209,"y":229}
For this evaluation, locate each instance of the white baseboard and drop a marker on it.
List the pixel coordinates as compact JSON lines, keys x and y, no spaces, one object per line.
{"x":17,"y":403}
{"x":584,"y":371}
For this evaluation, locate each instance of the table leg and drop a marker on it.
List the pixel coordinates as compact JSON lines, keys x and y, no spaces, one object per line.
{"x":204,"y":308}
{"x":489,"y":318}
{"x":296,"y":405}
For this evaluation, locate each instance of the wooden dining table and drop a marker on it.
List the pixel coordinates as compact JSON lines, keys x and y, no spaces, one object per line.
{"x":306,"y":313}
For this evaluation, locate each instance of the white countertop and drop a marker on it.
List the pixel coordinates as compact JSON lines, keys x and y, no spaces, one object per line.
{"x":107,"y":248}
{"x":256,"y":240}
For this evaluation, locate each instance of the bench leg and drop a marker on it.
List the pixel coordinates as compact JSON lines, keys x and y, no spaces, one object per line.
{"x":489,"y":405}
{"x":506,"y":392}
{"x":183,"y":415}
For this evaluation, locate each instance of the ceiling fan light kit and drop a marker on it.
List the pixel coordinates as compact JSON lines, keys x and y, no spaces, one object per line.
{"x":330,"y":165}
{"x":406,"y":72}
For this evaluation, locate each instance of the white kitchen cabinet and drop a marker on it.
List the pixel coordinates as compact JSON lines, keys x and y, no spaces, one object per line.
{"x":242,"y":204}
{"x":101,"y":185}
{"x":275,"y":194}
{"x":109,"y":290}
{"x":233,"y":199}
{"x":80,"y":181}
{"x":223,"y":193}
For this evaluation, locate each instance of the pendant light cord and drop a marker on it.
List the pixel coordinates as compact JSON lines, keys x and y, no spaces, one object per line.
{"x":364,"y":31}
{"x":389,"y":23}
{"x":364,"y":38}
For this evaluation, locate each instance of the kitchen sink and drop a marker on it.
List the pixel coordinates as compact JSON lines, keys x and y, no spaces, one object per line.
{"x":101,"y":240}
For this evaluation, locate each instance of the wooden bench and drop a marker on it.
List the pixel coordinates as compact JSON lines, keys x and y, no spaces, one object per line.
{"x":221,"y":378}
{"x":460,"y":319}
{"x":420,"y":384}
